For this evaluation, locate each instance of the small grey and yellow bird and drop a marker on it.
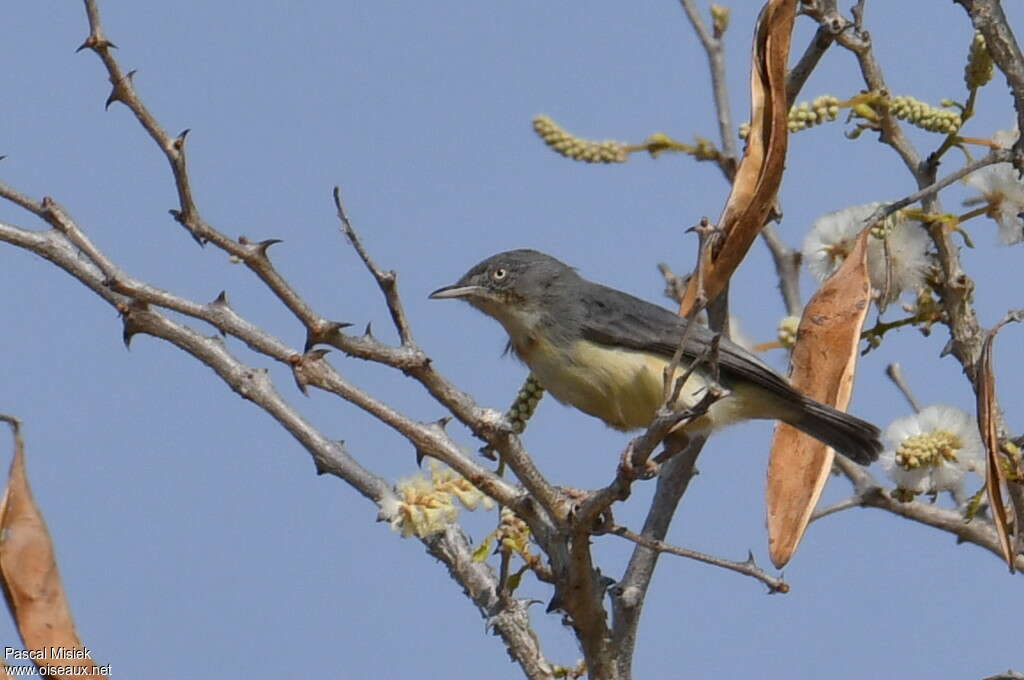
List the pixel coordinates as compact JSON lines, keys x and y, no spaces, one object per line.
{"x":604,"y":351}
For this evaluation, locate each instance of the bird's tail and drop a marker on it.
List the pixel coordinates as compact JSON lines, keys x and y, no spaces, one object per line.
{"x":856,"y":439}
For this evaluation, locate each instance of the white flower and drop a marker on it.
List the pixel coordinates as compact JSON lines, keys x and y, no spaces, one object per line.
{"x":931,"y":451}
{"x":833,"y":235}
{"x":1001,"y":188}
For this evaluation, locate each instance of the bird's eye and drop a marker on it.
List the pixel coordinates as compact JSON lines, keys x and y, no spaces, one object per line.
{"x":499,"y":273}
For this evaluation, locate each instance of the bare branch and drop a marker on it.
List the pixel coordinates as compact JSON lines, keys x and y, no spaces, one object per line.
{"x":787,"y":268}
{"x":430,"y":438}
{"x":748,"y":567}
{"x":994,"y":156}
{"x":871,"y":494}
{"x":629,"y":595}
{"x":845,"y":504}
{"x":891,"y":133}
{"x":388,"y":281}
{"x":798,"y":75}
{"x":719,"y":88}
{"x":978,"y":531}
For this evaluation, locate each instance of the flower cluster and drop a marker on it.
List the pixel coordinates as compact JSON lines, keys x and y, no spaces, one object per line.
{"x":979,"y":63}
{"x":931,"y":451}
{"x":1001,"y":188}
{"x":513,"y":533}
{"x":808,"y":114}
{"x":525,"y":403}
{"x":925,"y":116}
{"x":897,"y":249}
{"x":577,"y":148}
{"x":425,"y":506}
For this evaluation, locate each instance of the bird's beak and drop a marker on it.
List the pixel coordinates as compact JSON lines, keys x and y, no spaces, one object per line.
{"x":459,"y":290}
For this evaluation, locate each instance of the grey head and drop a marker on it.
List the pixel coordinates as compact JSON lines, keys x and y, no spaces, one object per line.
{"x":516,"y":287}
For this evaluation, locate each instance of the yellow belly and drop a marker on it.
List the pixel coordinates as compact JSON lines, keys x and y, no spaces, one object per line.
{"x":621,"y":387}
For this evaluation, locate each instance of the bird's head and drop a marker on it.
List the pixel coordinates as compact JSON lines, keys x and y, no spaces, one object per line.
{"x":513,"y":287}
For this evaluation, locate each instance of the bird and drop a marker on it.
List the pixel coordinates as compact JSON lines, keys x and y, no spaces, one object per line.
{"x":603,"y":351}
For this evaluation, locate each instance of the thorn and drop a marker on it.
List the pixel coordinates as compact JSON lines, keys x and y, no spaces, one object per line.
{"x":947,"y":350}
{"x":368,"y":333}
{"x":419,"y":457}
{"x":300,"y":383}
{"x":321,"y":469}
{"x":180,"y":218}
{"x":750,"y":558}
{"x":179,"y":141}
{"x":554,"y":604}
{"x":118,"y":89}
{"x":131,"y":328}
{"x":336,"y":326}
{"x":221,"y":300}
{"x":488,"y":452}
{"x":318,"y":354}
{"x":94,"y":43}
{"x":265,"y":245}
{"x":320,"y":334}
{"x":443,"y":421}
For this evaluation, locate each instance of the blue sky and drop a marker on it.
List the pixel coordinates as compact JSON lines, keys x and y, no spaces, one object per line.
{"x":192,"y":530}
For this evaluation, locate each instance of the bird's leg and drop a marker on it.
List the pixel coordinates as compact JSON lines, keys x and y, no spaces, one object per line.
{"x":674,"y":443}
{"x":628,"y":468}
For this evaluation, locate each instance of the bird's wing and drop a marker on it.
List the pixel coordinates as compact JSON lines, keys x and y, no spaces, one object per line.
{"x":617,"y":319}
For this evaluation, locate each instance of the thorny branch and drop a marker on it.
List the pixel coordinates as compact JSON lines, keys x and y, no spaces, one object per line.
{"x":748,"y":567}
{"x":141,"y":307}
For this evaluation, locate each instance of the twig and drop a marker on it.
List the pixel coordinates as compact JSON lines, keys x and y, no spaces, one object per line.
{"x":891,"y":133}
{"x":798,"y":75}
{"x":253,"y":254}
{"x":845,"y":504}
{"x":748,"y":567}
{"x":787,"y":268}
{"x":993,"y":157}
{"x":895,"y":373}
{"x":429,"y":437}
{"x":716,"y":61}
{"x":387,"y":280}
